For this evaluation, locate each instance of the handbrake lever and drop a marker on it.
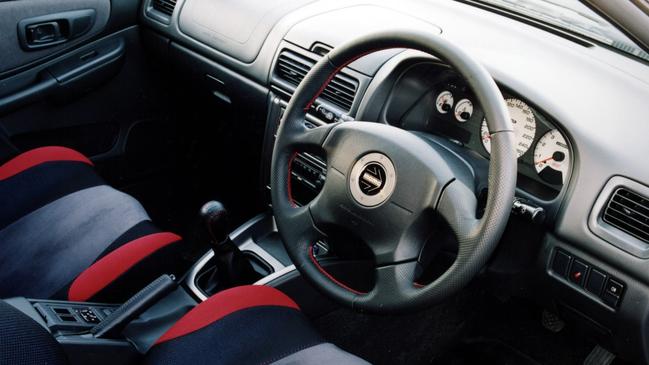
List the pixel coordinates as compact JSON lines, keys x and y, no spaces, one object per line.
{"x":138,"y":303}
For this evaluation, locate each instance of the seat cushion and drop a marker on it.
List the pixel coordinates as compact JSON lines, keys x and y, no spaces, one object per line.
{"x":61,"y":226}
{"x":23,"y":341}
{"x":246,"y":325}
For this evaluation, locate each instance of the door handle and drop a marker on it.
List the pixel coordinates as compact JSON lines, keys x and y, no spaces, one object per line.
{"x":44,"y":33}
{"x":52,"y":29}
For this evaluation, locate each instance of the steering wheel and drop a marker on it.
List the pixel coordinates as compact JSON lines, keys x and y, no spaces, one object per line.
{"x":388,"y":185}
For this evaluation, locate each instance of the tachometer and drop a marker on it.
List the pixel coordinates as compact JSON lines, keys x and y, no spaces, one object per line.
{"x":463,"y":110}
{"x":552,"y":158}
{"x":444,"y":102}
{"x":524,"y":127}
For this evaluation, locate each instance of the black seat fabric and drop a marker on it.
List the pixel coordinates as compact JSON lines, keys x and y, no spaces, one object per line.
{"x":24,"y":341}
{"x":59,"y":221}
{"x":244,"y":325}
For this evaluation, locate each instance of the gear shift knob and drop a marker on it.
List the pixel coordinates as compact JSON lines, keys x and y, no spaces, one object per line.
{"x":215,"y":218}
{"x":232,"y":266}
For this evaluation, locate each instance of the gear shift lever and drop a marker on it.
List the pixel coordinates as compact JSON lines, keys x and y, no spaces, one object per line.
{"x":215,"y":220}
{"x":232,"y":266}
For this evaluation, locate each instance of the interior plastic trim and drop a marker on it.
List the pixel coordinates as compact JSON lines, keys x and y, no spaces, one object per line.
{"x":609,"y":233}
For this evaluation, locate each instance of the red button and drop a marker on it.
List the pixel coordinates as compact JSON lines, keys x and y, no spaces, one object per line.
{"x":578,"y":272}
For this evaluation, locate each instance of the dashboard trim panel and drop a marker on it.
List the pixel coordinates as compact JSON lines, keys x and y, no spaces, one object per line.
{"x":607,"y":232}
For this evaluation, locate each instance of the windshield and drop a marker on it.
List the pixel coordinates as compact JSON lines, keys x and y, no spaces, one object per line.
{"x":573,"y":16}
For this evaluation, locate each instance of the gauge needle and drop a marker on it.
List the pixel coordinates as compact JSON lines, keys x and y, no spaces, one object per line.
{"x":545,"y":159}
{"x":557,"y":156}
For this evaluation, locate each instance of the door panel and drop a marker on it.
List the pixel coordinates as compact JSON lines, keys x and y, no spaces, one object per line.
{"x":15,"y":55}
{"x":73,"y":73}
{"x":98,"y":93}
{"x":95,"y":112}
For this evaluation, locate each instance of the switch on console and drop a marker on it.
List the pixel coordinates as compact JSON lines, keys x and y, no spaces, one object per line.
{"x":593,"y":280}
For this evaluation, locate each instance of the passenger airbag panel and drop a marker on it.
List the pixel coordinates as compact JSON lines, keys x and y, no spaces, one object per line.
{"x":237,"y":28}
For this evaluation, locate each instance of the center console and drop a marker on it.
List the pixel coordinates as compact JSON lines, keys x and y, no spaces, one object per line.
{"x":71,"y":323}
{"x":259,"y":241}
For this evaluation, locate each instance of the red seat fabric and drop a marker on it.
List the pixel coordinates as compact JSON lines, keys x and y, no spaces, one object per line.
{"x":39,"y":156}
{"x":116,"y":263}
{"x":65,"y":234}
{"x":250,"y":324}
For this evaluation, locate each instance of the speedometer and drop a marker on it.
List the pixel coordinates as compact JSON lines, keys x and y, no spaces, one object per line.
{"x":524,"y":127}
{"x":552,"y":158}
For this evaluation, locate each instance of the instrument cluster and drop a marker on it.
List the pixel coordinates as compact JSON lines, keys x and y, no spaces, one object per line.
{"x":449,"y":108}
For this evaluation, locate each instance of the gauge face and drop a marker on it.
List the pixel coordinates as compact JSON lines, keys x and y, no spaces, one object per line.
{"x":463,"y":110}
{"x":524,"y":127}
{"x":552,"y":158}
{"x":444,"y":102}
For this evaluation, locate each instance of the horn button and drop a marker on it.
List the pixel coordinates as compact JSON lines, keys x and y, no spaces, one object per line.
{"x":372,"y":164}
{"x":372,"y":179}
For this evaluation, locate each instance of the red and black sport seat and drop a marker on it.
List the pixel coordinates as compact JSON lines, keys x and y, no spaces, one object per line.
{"x":65,"y":234}
{"x":243,"y":325}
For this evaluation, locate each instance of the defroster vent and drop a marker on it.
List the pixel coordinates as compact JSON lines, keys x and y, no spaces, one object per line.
{"x":341,"y":91}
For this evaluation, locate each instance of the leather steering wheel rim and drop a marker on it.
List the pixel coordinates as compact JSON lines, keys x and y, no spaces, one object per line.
{"x":447,"y":197}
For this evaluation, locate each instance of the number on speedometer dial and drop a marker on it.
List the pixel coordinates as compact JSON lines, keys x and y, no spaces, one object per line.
{"x":552,"y":158}
{"x":524,"y":127}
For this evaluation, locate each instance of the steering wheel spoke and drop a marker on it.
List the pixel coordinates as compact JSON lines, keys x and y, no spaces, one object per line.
{"x":457,"y":206}
{"x":394,"y":285}
{"x":302,"y":218}
{"x":306,"y":138}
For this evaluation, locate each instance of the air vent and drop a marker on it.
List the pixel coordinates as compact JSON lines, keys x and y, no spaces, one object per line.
{"x":340,"y":92}
{"x":628,"y":211}
{"x":164,"y":6}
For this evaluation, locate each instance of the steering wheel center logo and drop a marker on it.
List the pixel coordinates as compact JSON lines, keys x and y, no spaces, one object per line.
{"x":372,"y":179}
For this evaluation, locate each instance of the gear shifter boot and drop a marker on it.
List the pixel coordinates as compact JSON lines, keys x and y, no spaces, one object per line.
{"x":232,"y":266}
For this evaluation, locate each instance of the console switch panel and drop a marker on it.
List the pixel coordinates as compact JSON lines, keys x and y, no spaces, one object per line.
{"x":584,"y":277}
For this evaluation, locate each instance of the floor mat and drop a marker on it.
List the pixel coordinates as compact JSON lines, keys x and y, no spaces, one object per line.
{"x":513,"y":328}
{"x":485,"y":351}
{"x":401,"y":339}
{"x":472,"y":328}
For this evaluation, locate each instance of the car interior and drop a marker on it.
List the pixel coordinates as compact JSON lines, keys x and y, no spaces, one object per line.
{"x":324,"y":182}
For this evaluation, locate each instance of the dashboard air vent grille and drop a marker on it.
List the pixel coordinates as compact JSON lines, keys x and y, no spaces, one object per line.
{"x":628,"y":211}
{"x":340,"y":92}
{"x":164,"y":6}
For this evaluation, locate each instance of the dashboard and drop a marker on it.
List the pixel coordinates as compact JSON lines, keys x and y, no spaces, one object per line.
{"x":431,"y":98}
{"x":578,"y":108}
